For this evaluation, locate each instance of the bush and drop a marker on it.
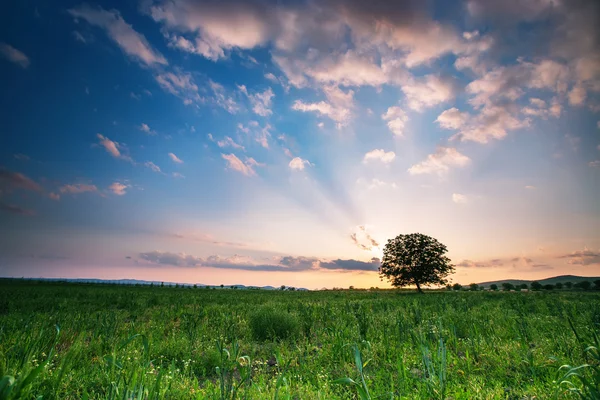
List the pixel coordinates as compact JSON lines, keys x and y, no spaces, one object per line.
{"x":270,"y":324}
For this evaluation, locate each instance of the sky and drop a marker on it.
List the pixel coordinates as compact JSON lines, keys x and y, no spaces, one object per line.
{"x":284,"y":142}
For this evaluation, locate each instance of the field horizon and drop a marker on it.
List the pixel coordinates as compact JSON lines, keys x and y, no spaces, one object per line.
{"x":552,"y":280}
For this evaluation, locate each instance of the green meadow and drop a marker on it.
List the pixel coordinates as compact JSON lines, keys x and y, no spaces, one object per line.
{"x":78,"y":341}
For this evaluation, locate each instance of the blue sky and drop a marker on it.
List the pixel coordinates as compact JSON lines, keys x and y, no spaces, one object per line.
{"x":284,"y":142}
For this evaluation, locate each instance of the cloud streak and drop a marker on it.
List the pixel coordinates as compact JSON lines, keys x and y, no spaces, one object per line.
{"x":275,"y":264}
{"x":131,"y":42}
{"x":14,"y":55}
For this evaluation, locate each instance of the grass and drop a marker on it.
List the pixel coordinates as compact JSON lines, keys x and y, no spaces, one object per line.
{"x":76,"y":341}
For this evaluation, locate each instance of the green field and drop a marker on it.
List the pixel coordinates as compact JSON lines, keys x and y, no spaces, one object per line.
{"x":125,"y":342}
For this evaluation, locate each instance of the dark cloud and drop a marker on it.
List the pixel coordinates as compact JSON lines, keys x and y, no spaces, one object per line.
{"x":282,"y":264}
{"x":9,"y":208}
{"x":15,"y":180}
{"x":352,"y":265}
{"x":582,"y":257}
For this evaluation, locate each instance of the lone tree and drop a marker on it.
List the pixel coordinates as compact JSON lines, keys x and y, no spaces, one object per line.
{"x":415,"y":259}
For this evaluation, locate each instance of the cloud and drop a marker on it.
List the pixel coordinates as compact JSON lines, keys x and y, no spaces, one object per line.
{"x":152,"y":166}
{"x":577,"y":95}
{"x":22,"y":157}
{"x":14,"y":55}
{"x":520,"y":262}
{"x":78,"y":188}
{"x":594,"y":164}
{"x":146,"y":129}
{"x":118,"y":188}
{"x":351,"y":265}
{"x":452,"y":118}
{"x":246,"y":168}
{"x":263,"y":135}
{"x":178,"y":175}
{"x":222,"y":99}
{"x":271,"y":77}
{"x":495,"y":94}
{"x":54,"y":196}
{"x":530,"y":187}
{"x":396,"y":119}
{"x":582,"y":257}
{"x":10,"y":180}
{"x":440,"y":162}
{"x":215,"y":30}
{"x":79,"y":37}
{"x":459,"y":198}
{"x":379,"y":155}
{"x":337,"y":108}
{"x":275,"y":264}
{"x":362,"y":239}
{"x":481,"y":264}
{"x":298,"y":163}
{"x":175,"y":159}
{"x":229,"y":142}
{"x":261,"y":102}
{"x":428,"y":92}
{"x":12,"y":209}
{"x":131,"y":42}
{"x":180,"y":84}
{"x":113,"y":148}
{"x":492,"y":122}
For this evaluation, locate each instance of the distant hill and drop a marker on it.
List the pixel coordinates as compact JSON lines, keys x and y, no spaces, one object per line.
{"x":147,"y":283}
{"x":548,"y":281}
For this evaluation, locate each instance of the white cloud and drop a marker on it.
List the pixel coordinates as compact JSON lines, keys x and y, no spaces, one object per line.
{"x":452,"y":118}
{"x":118,"y":188}
{"x":298,"y":163}
{"x":396,"y":119}
{"x":131,"y":42}
{"x":175,"y":159}
{"x":216,"y":29}
{"x":338,"y":107}
{"x":459,"y":198}
{"x":246,"y":168}
{"x":178,"y":175}
{"x":146,"y":129}
{"x":261,"y":102}
{"x":229,"y":142}
{"x":492,"y":122}
{"x":594,"y":164}
{"x":180,"y":84}
{"x":539,"y":103}
{"x":222,"y":99}
{"x":440,"y":162}
{"x":152,"y":166}
{"x":577,"y":95}
{"x":14,"y":55}
{"x":379,"y":155}
{"x":271,"y":77}
{"x":112,"y":148}
{"x":428,"y":92}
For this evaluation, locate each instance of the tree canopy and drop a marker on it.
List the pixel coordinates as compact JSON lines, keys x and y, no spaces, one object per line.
{"x":415,"y":259}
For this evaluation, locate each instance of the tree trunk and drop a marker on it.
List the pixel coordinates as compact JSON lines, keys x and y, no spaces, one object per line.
{"x":419,"y":287}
